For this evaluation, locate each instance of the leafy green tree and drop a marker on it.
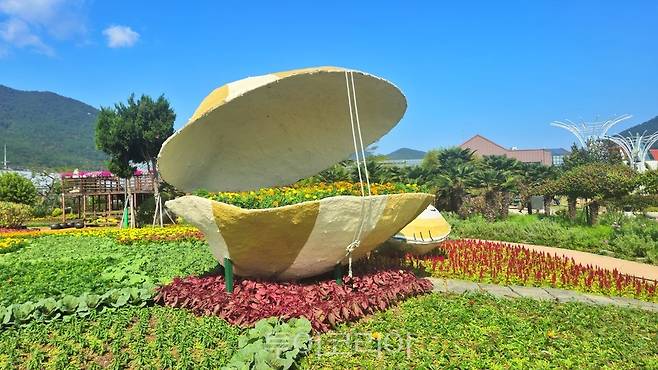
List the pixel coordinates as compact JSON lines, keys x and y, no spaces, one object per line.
{"x":596,"y":151}
{"x":133,"y":133}
{"x":15,"y":188}
{"x":596,"y":182}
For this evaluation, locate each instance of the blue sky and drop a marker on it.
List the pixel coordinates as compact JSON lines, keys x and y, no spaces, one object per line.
{"x":503,"y":69}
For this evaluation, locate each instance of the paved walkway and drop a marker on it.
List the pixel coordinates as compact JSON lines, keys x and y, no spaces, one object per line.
{"x":642,"y":270}
{"x":548,"y":294}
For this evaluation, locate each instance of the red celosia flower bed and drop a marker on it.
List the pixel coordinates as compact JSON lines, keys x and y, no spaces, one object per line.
{"x":324,"y":303}
{"x":510,"y":264}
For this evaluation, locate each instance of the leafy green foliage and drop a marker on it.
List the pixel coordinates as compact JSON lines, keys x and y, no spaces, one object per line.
{"x":596,"y":151}
{"x":134,"y":132}
{"x":13,"y":215}
{"x":49,"y":309}
{"x":451,"y":172}
{"x":648,"y":180}
{"x":17,"y":189}
{"x":132,"y":337}
{"x":272,"y":344}
{"x":598,"y":182}
{"x":46,"y":130}
{"x":53,"y":266}
{"x":478,"y":331}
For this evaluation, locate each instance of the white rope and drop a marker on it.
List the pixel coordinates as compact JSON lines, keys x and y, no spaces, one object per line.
{"x":358,"y":126}
{"x":358,"y":147}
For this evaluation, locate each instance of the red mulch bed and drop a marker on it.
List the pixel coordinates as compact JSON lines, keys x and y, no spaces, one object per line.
{"x":325,"y":303}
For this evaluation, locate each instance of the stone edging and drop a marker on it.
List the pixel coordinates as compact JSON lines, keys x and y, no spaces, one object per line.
{"x":539,"y":293}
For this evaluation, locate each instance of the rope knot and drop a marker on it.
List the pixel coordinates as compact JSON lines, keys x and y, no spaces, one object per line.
{"x":352,"y":246}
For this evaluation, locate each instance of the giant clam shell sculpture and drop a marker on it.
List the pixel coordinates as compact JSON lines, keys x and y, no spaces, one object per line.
{"x":273,"y":130}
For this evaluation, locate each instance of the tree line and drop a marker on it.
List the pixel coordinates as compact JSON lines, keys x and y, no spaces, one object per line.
{"x":467,"y":184}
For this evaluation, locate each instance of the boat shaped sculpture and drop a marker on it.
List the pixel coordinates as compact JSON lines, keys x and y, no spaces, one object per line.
{"x":273,"y":130}
{"x":424,"y":233}
{"x":299,"y":240}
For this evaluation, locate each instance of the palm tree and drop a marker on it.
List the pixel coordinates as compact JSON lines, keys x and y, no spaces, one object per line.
{"x":535,"y":180}
{"x":376,"y":171}
{"x":337,"y":172}
{"x":507,"y":175}
{"x":450,"y":171}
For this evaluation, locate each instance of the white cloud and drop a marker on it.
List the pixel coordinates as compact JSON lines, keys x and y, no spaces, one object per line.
{"x":28,"y":22}
{"x":120,"y":36}
{"x":16,"y":32}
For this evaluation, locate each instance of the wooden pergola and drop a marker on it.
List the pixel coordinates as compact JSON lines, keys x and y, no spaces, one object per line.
{"x":101,"y":193}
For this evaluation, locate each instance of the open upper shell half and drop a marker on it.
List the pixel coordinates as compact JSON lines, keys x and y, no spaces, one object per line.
{"x":275,"y":129}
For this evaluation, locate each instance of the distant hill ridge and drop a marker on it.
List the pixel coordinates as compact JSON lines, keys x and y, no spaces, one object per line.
{"x":406,"y":153}
{"x":649,"y":126}
{"x":46,"y":130}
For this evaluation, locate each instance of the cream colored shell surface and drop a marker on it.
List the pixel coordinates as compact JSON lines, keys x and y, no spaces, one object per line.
{"x":275,"y":129}
{"x":300,"y":240}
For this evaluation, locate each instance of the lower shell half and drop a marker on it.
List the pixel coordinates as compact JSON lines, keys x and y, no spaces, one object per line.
{"x":300,"y":240}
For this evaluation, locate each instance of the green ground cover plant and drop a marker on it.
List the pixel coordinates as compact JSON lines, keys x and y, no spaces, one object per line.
{"x":479,"y":331}
{"x":620,"y":237}
{"x":69,"y":306}
{"x":272,"y":343}
{"x":140,"y":338}
{"x":53,"y":266}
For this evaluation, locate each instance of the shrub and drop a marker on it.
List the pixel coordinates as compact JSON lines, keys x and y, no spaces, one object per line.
{"x":56,"y":212}
{"x":324,"y":303}
{"x":13,"y":215}
{"x":17,"y":189}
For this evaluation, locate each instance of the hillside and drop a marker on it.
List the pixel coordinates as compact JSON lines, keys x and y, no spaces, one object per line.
{"x":649,"y":126}
{"x":406,"y":153}
{"x":43,"y":129}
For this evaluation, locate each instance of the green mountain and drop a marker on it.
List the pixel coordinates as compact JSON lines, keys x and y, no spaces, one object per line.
{"x":649,"y":126}
{"x":406,"y":153}
{"x":44,"y":130}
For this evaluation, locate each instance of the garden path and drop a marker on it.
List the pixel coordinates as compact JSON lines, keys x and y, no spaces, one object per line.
{"x":642,"y":270}
{"x":539,"y":293}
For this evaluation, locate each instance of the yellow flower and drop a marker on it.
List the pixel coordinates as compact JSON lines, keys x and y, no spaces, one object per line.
{"x":376,"y":335}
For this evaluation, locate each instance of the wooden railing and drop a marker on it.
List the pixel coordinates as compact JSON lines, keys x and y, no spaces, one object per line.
{"x":105,"y":185}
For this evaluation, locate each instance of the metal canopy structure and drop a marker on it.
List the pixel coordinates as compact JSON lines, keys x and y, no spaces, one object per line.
{"x":635,"y":147}
{"x":586,"y":131}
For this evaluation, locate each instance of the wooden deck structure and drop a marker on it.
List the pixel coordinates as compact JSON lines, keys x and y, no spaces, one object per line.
{"x":101,"y":193}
